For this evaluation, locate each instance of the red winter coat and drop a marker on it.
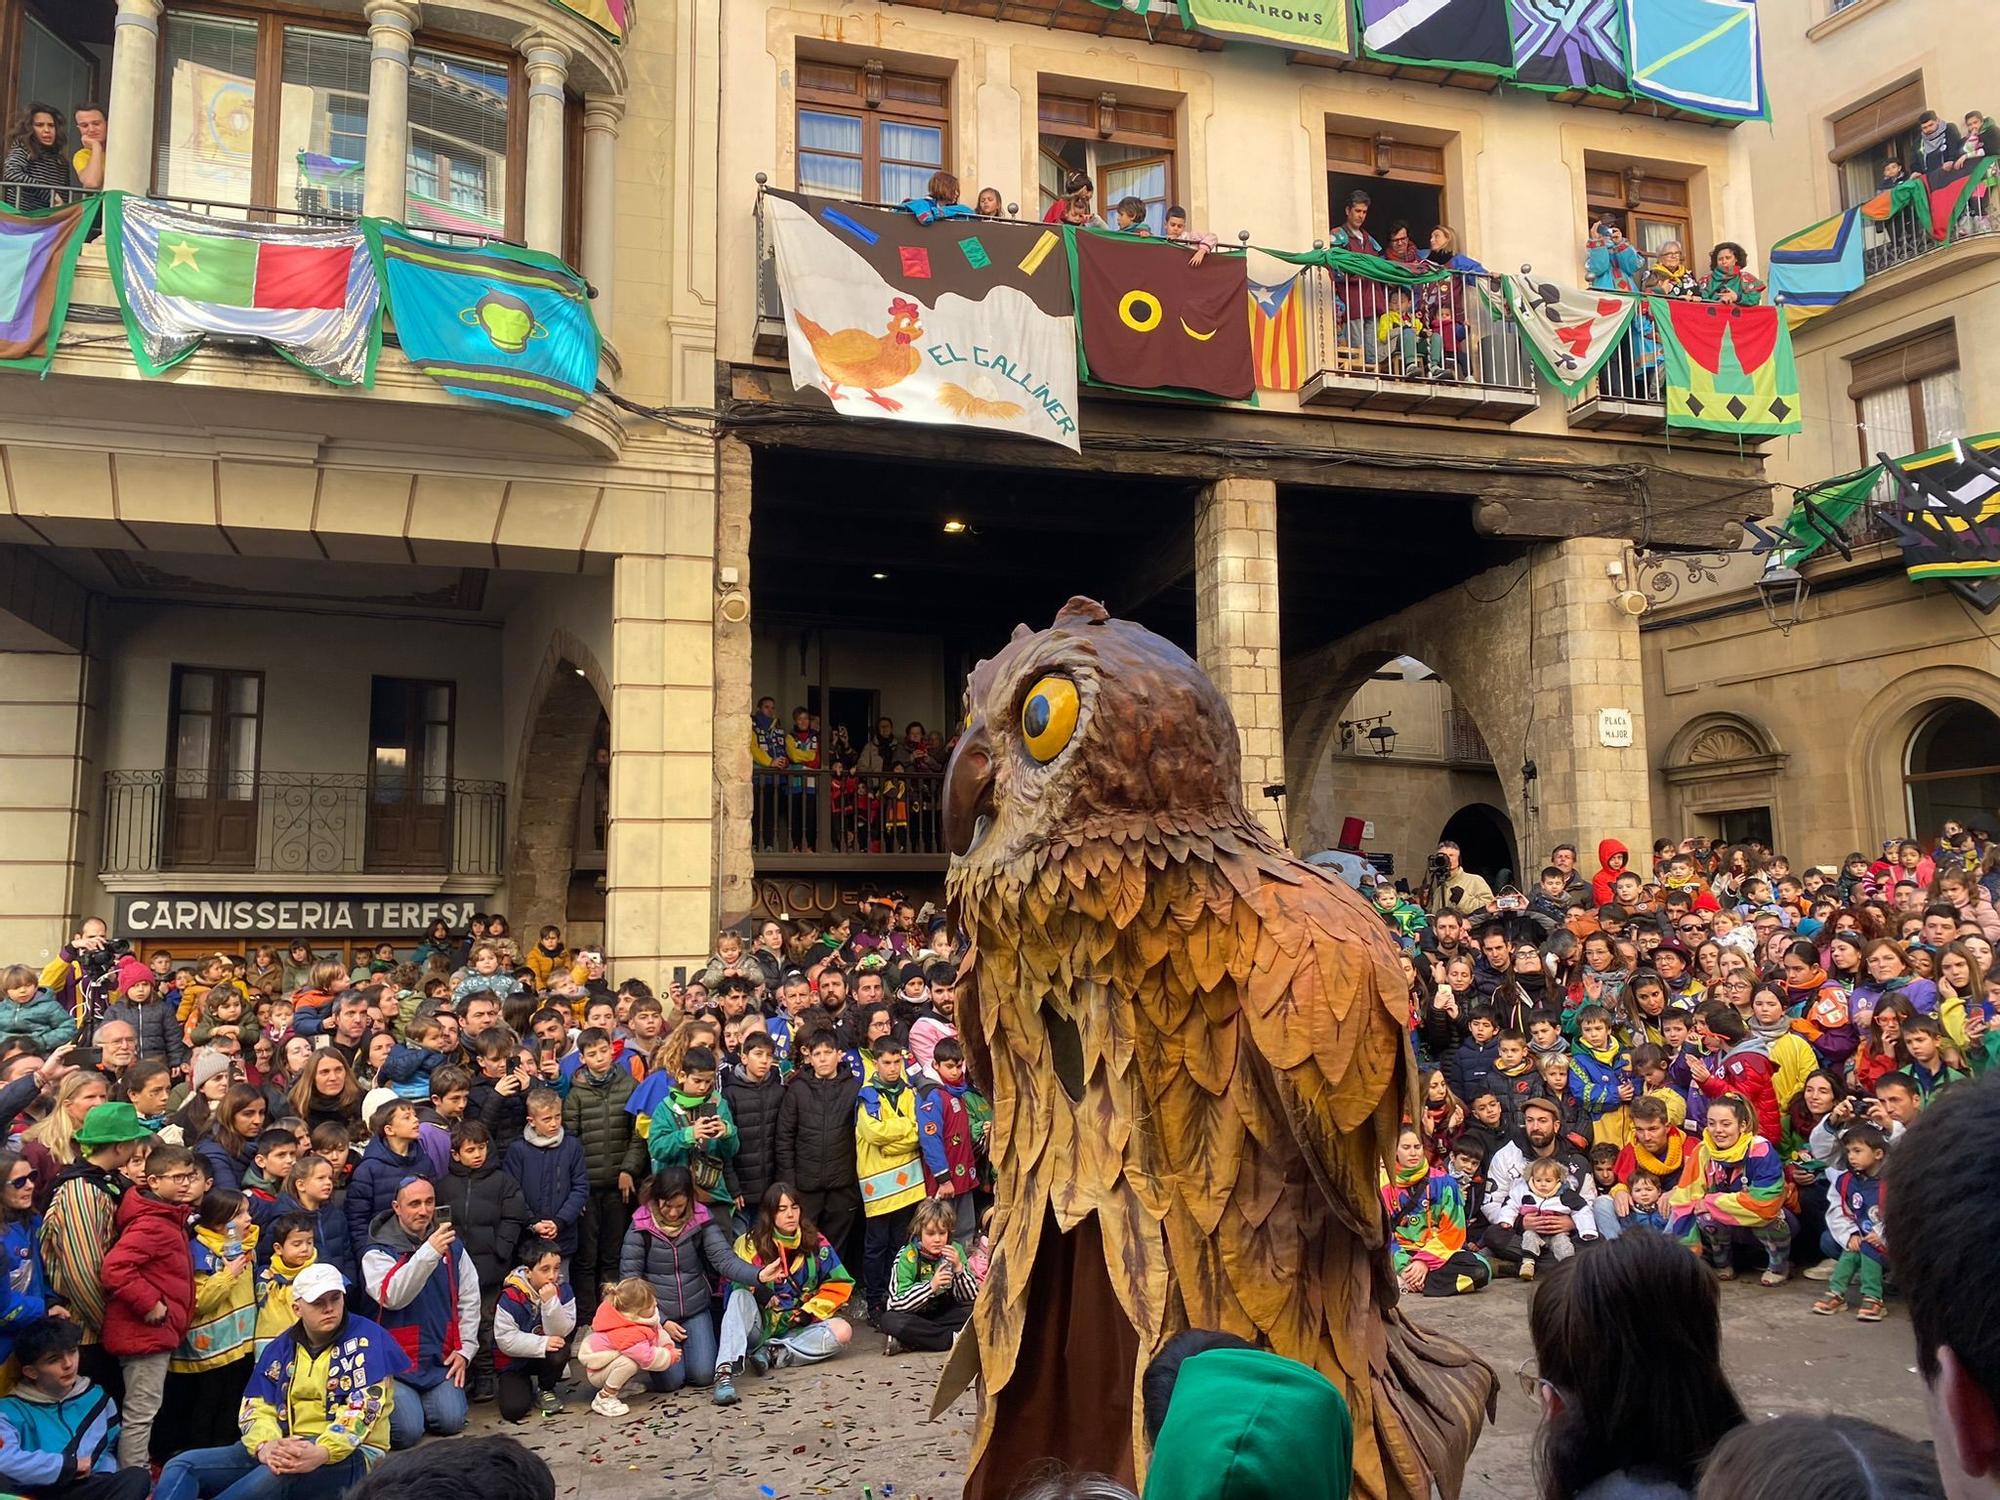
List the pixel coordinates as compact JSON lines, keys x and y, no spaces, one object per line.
{"x":1746,"y":1070}
{"x":1600,"y":884}
{"x":149,"y":1263}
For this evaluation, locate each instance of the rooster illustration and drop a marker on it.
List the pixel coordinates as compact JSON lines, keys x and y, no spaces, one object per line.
{"x":869,"y":361}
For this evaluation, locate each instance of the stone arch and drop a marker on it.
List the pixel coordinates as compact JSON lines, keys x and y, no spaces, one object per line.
{"x":570,"y":690}
{"x":1882,"y":734}
{"x":1485,"y":836}
{"x":1719,"y":739}
{"x":1723,"y":763}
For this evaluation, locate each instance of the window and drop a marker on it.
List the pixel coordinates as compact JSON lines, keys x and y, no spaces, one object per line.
{"x":56,"y":63}
{"x":1952,"y":767}
{"x":409,"y":773}
{"x":869,"y":134}
{"x":206,"y":149}
{"x":1867,"y":136}
{"x":323,"y":126}
{"x":460,"y":144}
{"x":215,"y":721}
{"x":1404,"y":181}
{"x":1125,"y":149}
{"x":1907,"y":394}
{"x":1652,"y":209}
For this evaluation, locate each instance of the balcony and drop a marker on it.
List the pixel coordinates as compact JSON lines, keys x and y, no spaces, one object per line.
{"x":1466,"y":360}
{"x":1625,"y":395}
{"x":1463,"y":743}
{"x":287,"y":826}
{"x":865,"y":820}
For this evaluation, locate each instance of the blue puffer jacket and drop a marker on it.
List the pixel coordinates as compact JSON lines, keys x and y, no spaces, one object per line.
{"x":556,"y":1184}
{"x":227,"y":1170}
{"x":41,"y":1020}
{"x":372,"y":1188}
{"x":159,"y":1033}
{"x":24,"y":1287}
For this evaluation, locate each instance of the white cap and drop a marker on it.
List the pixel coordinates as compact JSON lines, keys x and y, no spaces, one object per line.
{"x":315,"y":1281}
{"x":376,"y":1099}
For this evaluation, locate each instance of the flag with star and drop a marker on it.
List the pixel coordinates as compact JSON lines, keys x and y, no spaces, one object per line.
{"x":1728,"y":368}
{"x":310,"y":295}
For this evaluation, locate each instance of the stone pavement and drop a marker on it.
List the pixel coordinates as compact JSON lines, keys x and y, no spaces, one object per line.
{"x":857,"y":1423}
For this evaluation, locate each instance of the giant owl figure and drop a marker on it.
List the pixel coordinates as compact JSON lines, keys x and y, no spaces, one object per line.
{"x":1196,"y":1049}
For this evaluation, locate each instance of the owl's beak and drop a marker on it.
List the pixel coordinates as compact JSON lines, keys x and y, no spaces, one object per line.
{"x":968,"y":789}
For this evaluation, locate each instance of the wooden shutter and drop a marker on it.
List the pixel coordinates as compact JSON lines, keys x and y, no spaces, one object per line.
{"x":1861,"y":127}
{"x":1409,"y":161}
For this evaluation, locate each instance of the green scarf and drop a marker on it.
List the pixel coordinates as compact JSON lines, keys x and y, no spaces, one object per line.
{"x":690,"y":1101}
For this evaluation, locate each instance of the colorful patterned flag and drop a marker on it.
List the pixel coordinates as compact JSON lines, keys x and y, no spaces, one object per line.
{"x":1278,"y":333}
{"x":37,"y":264}
{"x":1316,"y":26}
{"x":1728,"y":368}
{"x":1566,"y":45}
{"x":1953,"y":189}
{"x":963,"y":322}
{"x":1152,"y":321}
{"x":493,"y":322}
{"x":1816,"y":268}
{"x":1570,"y":331}
{"x":311,"y":294}
{"x":1469,"y":36}
{"x":1704,"y":56}
{"x":1948,"y":516}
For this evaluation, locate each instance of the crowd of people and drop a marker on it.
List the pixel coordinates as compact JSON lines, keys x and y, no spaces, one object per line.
{"x":284,"y":1214}
{"x":882,"y":795}
{"x":1714,"y":1045}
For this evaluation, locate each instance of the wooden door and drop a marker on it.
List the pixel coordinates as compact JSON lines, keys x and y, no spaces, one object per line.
{"x":409,"y":774}
{"x":210,"y":806}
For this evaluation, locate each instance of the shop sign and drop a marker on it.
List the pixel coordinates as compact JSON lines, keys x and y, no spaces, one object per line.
{"x":283,"y":917}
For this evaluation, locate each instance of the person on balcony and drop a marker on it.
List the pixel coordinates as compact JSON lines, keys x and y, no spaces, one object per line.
{"x":88,"y":163}
{"x":1357,"y":300}
{"x":35,"y":169}
{"x":1076,"y":196}
{"x":1612,"y":263}
{"x":1449,"y":308}
{"x":988,"y":204}
{"x":1938,"y":143}
{"x":1729,"y":279}
{"x":1669,"y":275}
{"x":1180,"y":233}
{"x":940,"y":201}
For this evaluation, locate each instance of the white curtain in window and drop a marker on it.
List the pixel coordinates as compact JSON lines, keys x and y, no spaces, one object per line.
{"x":829,"y":154}
{"x":208,"y":134}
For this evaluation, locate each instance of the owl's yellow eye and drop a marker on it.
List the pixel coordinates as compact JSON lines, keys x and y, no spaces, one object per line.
{"x":1048,"y":717}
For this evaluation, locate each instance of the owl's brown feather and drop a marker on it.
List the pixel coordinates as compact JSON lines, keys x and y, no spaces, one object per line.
{"x":1244,"y":1064}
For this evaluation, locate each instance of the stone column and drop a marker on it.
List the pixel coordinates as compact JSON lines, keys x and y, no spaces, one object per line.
{"x":386,"y":173}
{"x":548,"y":67}
{"x":735,"y":864}
{"x":1236,"y":623}
{"x":49,"y":787}
{"x":659,"y":904}
{"x":600,"y":202}
{"x":1584,"y":658}
{"x":128,"y":126}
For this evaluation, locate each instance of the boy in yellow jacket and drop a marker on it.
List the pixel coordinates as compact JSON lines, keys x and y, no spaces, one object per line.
{"x":294,"y":1247}
{"x":891,"y":1166}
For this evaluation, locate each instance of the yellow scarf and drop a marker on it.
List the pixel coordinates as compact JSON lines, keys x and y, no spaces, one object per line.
{"x":1730,"y":1155}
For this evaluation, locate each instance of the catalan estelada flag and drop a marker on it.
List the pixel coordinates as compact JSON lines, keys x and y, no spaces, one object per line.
{"x":1277,"y":334}
{"x":310,"y":294}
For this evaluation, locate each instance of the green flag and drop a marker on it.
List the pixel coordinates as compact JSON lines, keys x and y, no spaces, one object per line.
{"x":208,"y":268}
{"x":1306,"y":26}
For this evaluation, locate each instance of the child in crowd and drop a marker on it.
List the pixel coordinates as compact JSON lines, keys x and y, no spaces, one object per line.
{"x":31,"y":1012}
{"x":930,"y":1285}
{"x":1544,"y":1189}
{"x":1600,"y":1077}
{"x":1648,"y":1211}
{"x":140,"y":1005}
{"x":613,"y":1157}
{"x":693,"y":1127}
{"x":948,"y":1137}
{"x":59,"y":1432}
{"x":755,"y":1094}
{"x":532,"y":1323}
{"x":294,"y":1246}
{"x":625,"y":1341}
{"x":889,"y":1161}
{"x":391,"y":1156}
{"x":148,"y":1278}
{"x":491,"y":1216}
{"x":549,"y":1164}
{"x":206,"y":1374}
{"x":408,"y":1067}
{"x":1854,"y":1222}
{"x":1515,"y":1080}
{"x":549,"y":955}
{"x":1932,"y":1060}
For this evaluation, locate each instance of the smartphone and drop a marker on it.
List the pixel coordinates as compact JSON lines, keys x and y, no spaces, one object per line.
{"x":443,"y":1219}
{"x":85,"y":1057}
{"x":680,"y":973}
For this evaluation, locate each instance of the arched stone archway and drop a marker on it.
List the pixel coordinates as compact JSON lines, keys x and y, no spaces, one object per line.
{"x":1485,"y":838}
{"x":1883,"y":733}
{"x":569,"y":695}
{"x":1724,"y":775}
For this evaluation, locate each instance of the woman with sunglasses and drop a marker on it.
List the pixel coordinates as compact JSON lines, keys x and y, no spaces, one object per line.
{"x":24,"y":1288}
{"x":1613,"y":1425}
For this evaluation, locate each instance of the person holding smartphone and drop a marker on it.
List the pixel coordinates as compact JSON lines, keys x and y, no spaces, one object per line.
{"x":430,"y":1306}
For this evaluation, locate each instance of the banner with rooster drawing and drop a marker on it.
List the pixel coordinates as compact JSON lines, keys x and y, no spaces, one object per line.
{"x":960,"y":322}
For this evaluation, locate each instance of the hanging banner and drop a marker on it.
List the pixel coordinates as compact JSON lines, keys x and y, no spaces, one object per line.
{"x":1948,"y":517}
{"x":38,"y":254}
{"x":1569,"y":46}
{"x":963,"y":322}
{"x":1466,"y":36}
{"x":492,"y":322}
{"x":311,"y":294}
{"x":1570,"y":331}
{"x":1305,"y":26}
{"x":1152,"y":321}
{"x":1728,"y":368}
{"x":1705,"y":56}
{"x":612,"y":17}
{"x":1819,"y":507}
{"x":1278,"y":333}
{"x":1955,"y":190}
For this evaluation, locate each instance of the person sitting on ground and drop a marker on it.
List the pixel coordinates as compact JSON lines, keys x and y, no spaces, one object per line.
{"x":1427,"y":1225}
{"x":59,"y":1430}
{"x":486,"y":1468}
{"x":930,"y":1285}
{"x":428,"y":1290}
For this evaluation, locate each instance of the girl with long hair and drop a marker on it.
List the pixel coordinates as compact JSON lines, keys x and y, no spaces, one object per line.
{"x":35,"y":167}
{"x":327,"y":1090}
{"x":205,"y":1375}
{"x":50,"y":1144}
{"x":804,"y":1286}
{"x":225,"y":1147}
{"x":310,"y":1191}
{"x":683,"y":1252}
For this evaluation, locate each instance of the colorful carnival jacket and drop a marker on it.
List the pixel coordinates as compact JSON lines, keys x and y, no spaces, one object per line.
{"x":811,"y":1287}
{"x":338,"y":1396}
{"x":1426,"y":1216}
{"x":1740,"y":1187}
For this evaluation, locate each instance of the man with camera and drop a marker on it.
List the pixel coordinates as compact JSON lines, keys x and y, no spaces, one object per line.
{"x":428,"y":1292}
{"x":80,"y":976}
{"x":1453,"y":887}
